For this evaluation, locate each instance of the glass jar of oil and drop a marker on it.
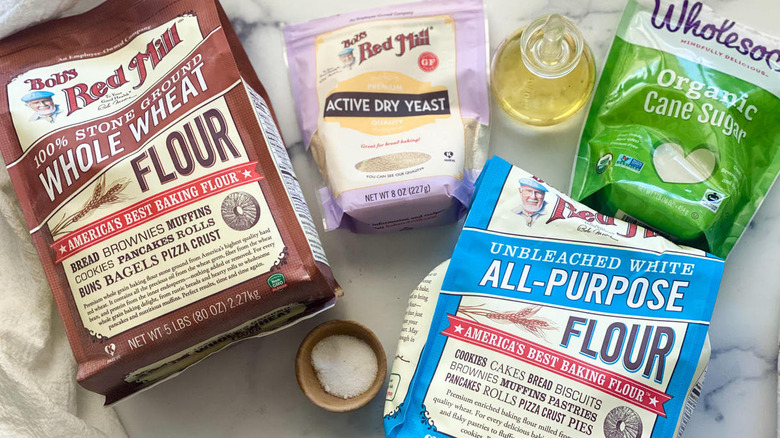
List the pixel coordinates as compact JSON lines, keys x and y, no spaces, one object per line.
{"x":544,"y":73}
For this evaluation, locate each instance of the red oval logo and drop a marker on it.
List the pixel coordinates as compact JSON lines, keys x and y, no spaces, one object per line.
{"x":428,"y":61}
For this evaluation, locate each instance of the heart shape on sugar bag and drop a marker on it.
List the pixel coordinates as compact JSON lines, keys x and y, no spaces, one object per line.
{"x":673,"y":166}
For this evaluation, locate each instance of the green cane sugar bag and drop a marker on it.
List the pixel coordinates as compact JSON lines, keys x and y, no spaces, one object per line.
{"x":683,"y":133}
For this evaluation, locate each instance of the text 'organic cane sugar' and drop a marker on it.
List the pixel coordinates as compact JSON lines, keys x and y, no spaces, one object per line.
{"x":346,"y":366}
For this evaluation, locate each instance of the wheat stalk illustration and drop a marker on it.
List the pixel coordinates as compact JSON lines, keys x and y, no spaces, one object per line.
{"x":524,"y":319}
{"x":102,"y":195}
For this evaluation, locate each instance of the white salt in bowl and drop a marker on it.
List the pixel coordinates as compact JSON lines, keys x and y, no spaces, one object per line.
{"x":307,"y":376}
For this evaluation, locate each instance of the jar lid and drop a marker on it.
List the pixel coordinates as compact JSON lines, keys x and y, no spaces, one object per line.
{"x":551,"y":46}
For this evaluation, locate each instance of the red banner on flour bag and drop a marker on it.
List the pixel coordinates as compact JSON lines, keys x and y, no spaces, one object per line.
{"x":538,"y":355}
{"x":154,"y":207}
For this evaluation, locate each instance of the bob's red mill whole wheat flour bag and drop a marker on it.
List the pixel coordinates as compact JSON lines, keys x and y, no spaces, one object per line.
{"x":156,"y":187}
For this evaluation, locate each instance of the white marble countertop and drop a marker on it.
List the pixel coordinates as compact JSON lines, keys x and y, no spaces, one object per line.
{"x":250,"y":389}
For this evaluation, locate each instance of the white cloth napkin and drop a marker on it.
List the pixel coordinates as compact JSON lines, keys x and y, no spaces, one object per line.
{"x":18,"y":14}
{"x":39,"y":396}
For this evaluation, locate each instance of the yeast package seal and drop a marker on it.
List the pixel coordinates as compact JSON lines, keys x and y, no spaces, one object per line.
{"x":392,"y":102}
{"x":684,"y":121}
{"x":156,"y":188}
{"x":552,"y":320}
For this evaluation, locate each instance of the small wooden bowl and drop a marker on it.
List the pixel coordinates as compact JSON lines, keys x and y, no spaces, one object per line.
{"x":307,"y":377}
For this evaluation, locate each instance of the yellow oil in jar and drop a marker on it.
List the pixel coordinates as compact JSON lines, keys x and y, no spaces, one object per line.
{"x":559,"y":85}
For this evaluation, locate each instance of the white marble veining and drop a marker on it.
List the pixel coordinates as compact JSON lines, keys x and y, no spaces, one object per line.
{"x":250,"y":389}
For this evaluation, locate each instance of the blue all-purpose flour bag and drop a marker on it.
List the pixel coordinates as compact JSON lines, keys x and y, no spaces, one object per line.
{"x":552,"y":320}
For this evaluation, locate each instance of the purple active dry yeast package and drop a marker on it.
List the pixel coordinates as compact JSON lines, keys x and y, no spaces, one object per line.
{"x":393,"y":104}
